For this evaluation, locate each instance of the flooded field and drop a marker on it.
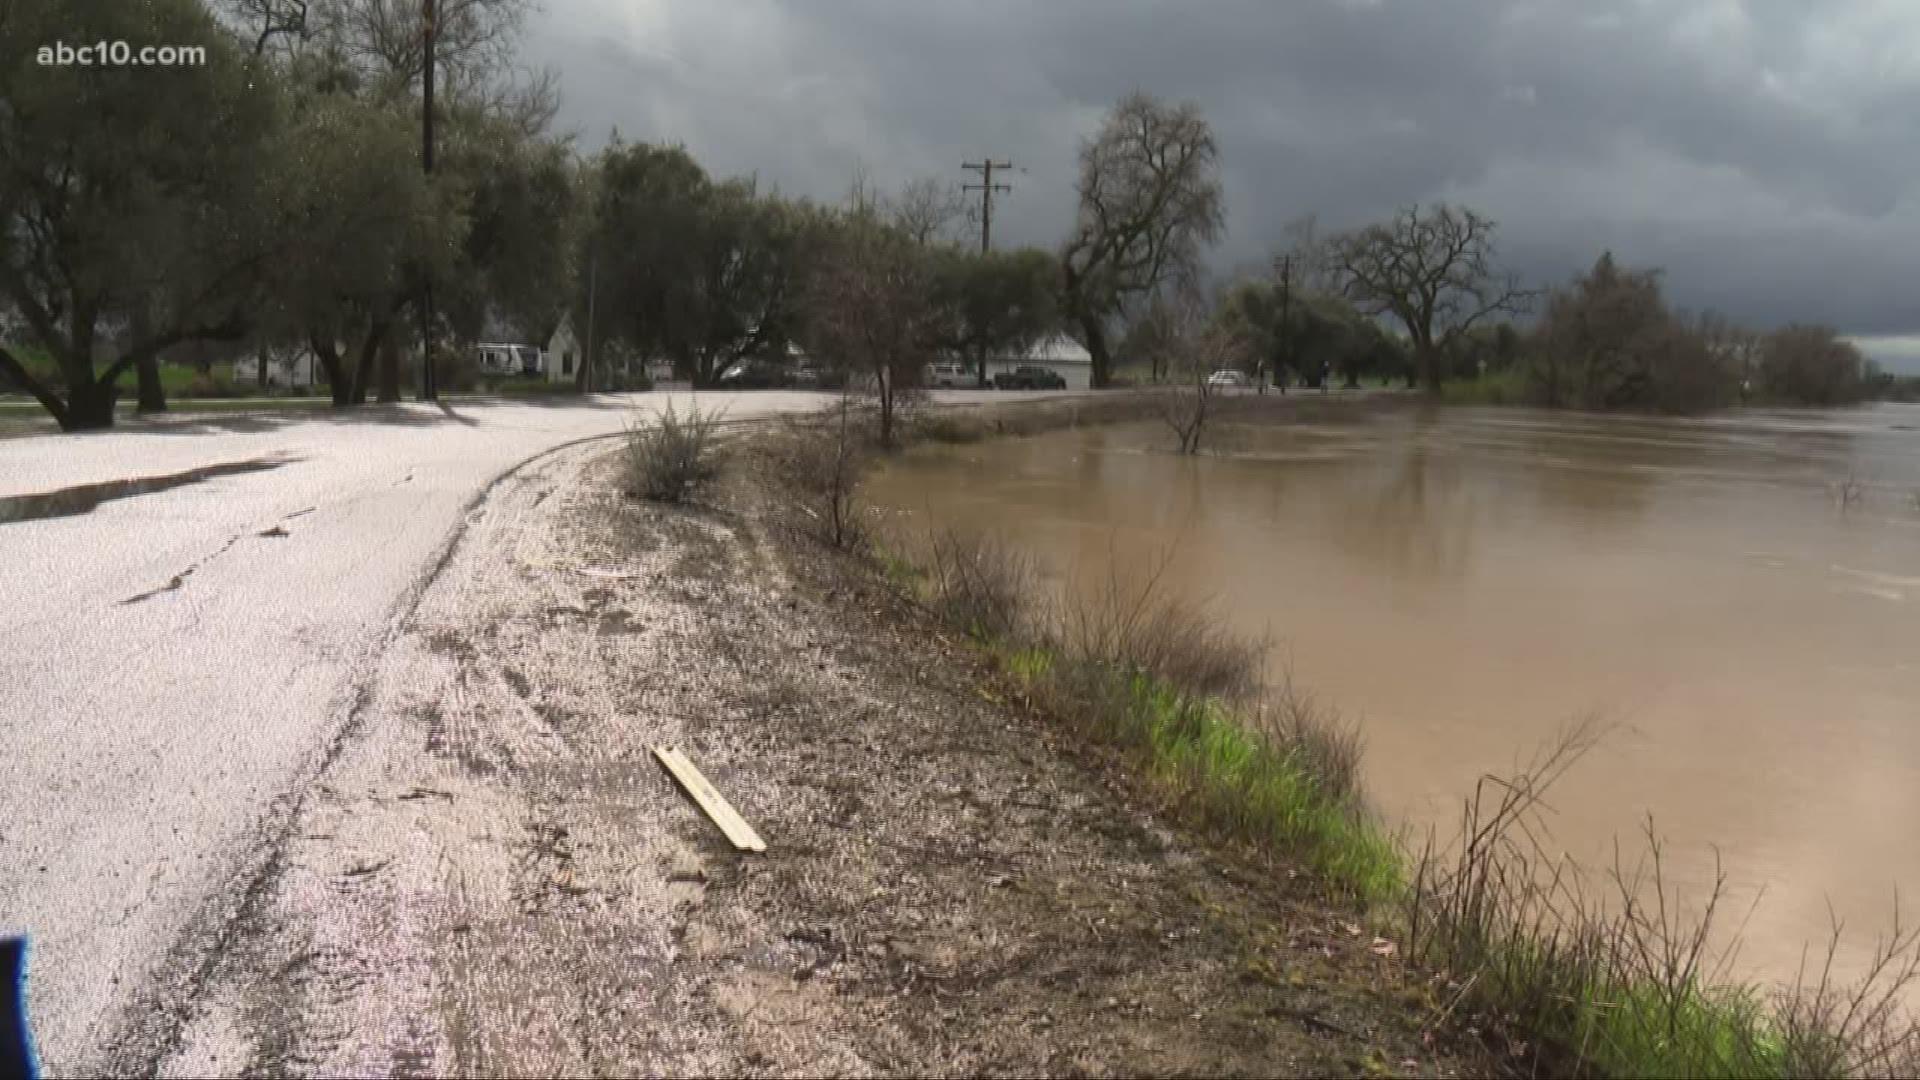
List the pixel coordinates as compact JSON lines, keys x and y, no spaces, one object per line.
{"x":1738,"y":596}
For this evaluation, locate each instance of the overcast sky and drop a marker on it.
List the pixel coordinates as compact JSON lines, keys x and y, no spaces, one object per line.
{"x":1762,"y":151}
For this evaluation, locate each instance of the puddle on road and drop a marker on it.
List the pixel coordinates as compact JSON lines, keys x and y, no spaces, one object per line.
{"x":82,"y":499}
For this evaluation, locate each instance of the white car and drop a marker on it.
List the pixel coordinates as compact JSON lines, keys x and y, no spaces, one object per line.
{"x":1228,"y":379}
{"x":949,"y":376}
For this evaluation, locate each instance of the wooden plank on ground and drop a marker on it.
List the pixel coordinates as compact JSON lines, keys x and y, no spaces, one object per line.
{"x":710,"y":801}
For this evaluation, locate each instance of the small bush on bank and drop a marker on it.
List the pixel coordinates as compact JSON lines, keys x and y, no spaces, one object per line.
{"x":1619,"y":978}
{"x":945,"y":426}
{"x":820,"y":461}
{"x":670,"y":459}
{"x":986,"y":589}
{"x":1510,"y":387}
{"x":1163,"y":679}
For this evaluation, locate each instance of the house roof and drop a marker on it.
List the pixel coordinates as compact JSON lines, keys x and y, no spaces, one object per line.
{"x":1057,"y":348}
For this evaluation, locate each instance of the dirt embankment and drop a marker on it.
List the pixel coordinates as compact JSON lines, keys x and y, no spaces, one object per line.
{"x":496,"y":878}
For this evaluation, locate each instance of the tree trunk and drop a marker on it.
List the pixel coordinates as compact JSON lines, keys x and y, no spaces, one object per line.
{"x":146,"y":364}
{"x":389,"y":370}
{"x":153,"y":396}
{"x":15,"y":371}
{"x":1427,"y":363}
{"x":363,"y":371}
{"x":1101,"y":376}
{"x":886,"y":409}
{"x":339,"y":382}
{"x":90,"y":406}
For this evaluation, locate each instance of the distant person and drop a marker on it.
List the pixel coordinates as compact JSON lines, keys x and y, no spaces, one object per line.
{"x":1326,"y":375}
{"x":16,"y":1051}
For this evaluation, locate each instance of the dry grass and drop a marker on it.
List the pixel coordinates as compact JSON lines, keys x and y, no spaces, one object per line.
{"x":820,"y":461}
{"x":1111,"y":622}
{"x":1617,"y":976}
{"x":982,"y":587}
{"x":1162,"y":678}
{"x":670,"y":459}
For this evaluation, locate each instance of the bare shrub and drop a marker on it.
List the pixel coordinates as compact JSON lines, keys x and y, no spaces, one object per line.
{"x":1619,"y":976}
{"x":945,"y":426}
{"x":1326,"y":747}
{"x":671,"y":458}
{"x":981,"y":584}
{"x":821,"y":462}
{"x":1140,"y":626}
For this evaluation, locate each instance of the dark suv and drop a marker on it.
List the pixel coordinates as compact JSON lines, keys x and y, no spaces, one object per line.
{"x":1029,"y":377}
{"x":755,"y":374}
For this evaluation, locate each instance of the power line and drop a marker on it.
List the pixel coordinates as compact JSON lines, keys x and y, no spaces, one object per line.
{"x":986,"y":187}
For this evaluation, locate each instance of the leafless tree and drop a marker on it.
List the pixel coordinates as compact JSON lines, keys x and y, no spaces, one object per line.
{"x":383,"y":38}
{"x":282,"y":26}
{"x":870,"y":307}
{"x":1150,"y":200}
{"x":1310,"y":257}
{"x":1431,"y":269}
{"x":927,"y":209}
{"x":1190,"y":347}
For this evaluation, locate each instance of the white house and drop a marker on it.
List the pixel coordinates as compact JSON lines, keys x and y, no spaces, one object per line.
{"x":562,"y":353}
{"x":1058,"y":353}
{"x":565,"y":352}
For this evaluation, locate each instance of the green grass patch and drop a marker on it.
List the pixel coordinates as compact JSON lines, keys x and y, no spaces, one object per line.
{"x":1493,"y":388}
{"x":1251,"y":786}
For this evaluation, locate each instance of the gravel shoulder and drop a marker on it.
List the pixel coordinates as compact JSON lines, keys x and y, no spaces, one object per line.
{"x":494,"y":877}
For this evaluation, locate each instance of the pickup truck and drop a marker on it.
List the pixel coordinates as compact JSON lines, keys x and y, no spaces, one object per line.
{"x":1029,"y":377}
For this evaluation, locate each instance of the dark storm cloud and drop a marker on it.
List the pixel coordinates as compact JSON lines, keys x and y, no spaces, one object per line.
{"x":1763,"y":152}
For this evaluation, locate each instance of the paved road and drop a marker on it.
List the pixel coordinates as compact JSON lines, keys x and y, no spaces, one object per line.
{"x":175,"y":665}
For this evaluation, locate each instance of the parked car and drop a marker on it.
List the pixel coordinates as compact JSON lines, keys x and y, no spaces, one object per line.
{"x":1229,"y":379}
{"x":755,"y":374}
{"x":947,"y":376}
{"x":1030,"y":377}
{"x":808,"y":375}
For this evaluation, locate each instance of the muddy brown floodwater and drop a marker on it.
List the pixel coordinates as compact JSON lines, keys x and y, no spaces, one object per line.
{"x":1739,"y":596}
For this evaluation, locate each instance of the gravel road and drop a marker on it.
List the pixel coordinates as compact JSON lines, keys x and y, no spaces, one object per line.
{"x":493,"y":877}
{"x":179,"y":659}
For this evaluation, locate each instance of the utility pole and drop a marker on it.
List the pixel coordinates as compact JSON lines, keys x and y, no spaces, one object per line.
{"x":429,"y":379}
{"x":584,"y":377}
{"x":1286,"y":320}
{"x":986,"y":187}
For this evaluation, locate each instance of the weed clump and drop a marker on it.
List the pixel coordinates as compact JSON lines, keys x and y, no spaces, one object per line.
{"x":670,"y":459}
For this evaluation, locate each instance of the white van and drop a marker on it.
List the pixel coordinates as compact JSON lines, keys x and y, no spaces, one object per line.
{"x":949,"y":376}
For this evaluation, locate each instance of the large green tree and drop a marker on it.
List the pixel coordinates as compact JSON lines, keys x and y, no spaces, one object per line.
{"x":367,"y":221}
{"x":1608,"y":341}
{"x":994,"y":303}
{"x":514,"y":196}
{"x":702,"y":271}
{"x":132,"y":212}
{"x":1803,"y":364}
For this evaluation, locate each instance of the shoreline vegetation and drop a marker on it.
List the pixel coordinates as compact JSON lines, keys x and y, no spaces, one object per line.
{"x":1552,"y":968}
